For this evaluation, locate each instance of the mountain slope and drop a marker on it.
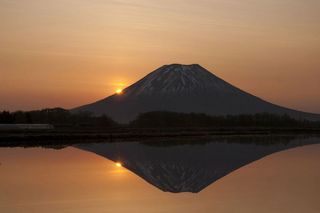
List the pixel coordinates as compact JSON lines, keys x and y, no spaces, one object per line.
{"x":184,"y":88}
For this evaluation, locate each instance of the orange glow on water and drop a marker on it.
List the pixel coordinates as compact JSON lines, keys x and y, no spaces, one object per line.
{"x":248,"y":188}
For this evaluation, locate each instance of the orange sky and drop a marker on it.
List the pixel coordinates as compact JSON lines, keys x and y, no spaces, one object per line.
{"x":68,"y":53}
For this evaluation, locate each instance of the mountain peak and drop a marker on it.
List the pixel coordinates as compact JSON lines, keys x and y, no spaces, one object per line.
{"x":181,"y":67}
{"x":177,"y":79}
{"x":184,"y":88}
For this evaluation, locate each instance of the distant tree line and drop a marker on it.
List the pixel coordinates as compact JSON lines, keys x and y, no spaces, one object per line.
{"x":55,"y":116}
{"x":161,"y":119}
{"x":174,"y":119}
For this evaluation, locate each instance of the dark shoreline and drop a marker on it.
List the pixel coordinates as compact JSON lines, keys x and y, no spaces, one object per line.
{"x":73,"y":136}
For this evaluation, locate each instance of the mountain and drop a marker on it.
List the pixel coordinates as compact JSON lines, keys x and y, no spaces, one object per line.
{"x":189,"y":167}
{"x":184,"y":88}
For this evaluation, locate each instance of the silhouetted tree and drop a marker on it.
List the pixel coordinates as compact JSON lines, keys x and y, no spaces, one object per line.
{"x":6,"y":117}
{"x":56,"y":116}
{"x":174,"y":119}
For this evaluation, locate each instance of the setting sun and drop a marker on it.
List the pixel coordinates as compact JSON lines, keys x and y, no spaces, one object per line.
{"x":118,"y":164}
{"x":119,"y":91}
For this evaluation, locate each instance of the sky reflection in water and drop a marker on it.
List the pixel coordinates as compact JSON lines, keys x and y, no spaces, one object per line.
{"x":73,"y":180}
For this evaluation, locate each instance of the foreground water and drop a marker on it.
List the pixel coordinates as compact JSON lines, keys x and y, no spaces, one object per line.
{"x":246,"y":174}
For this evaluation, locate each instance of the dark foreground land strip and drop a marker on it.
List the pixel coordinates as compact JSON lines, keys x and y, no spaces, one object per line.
{"x":69,"y":137}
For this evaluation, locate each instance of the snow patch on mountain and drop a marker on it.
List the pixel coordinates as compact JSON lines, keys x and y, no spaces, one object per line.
{"x":179,"y":79}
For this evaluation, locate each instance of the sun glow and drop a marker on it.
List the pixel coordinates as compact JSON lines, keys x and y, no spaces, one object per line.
{"x":119,"y":91}
{"x":118,"y":164}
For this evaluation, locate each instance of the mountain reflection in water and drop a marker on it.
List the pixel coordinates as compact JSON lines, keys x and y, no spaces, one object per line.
{"x":190,"y":166}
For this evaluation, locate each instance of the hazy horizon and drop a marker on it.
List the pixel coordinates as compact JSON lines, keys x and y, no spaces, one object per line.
{"x":72,"y":53}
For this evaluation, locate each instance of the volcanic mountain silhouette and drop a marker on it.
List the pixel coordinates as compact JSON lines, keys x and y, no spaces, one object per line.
{"x":190,"y":167}
{"x":184,"y":88}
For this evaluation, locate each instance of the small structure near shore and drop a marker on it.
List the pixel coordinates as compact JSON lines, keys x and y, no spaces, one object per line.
{"x":26,"y":126}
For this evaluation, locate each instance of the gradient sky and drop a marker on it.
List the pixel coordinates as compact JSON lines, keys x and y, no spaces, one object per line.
{"x":68,"y":53}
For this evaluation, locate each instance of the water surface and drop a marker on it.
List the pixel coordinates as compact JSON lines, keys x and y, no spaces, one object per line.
{"x":222,"y":175}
